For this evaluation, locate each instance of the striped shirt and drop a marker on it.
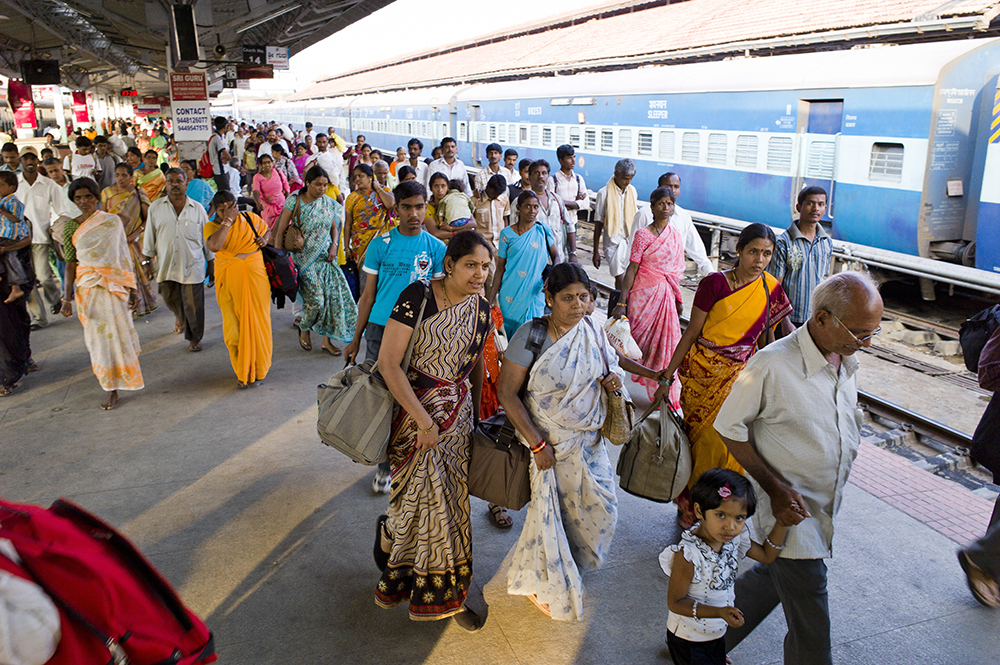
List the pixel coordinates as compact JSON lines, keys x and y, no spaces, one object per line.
{"x":800,"y":265}
{"x":10,"y":229}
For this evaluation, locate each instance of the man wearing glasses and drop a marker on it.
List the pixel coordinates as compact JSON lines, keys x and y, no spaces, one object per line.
{"x":792,"y":421}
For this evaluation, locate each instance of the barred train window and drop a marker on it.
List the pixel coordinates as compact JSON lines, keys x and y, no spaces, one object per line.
{"x":607,"y":140}
{"x":690,"y":146}
{"x":546,"y":136}
{"x":820,"y":159}
{"x":779,"y":154}
{"x":624,"y":141}
{"x":668,"y":144}
{"x":886,"y":163}
{"x":645,"y":143}
{"x":590,"y":139}
{"x":574,"y":137}
{"x":746,"y":150}
{"x":718,"y":146}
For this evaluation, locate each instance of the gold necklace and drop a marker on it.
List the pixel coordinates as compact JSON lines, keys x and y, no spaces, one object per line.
{"x":444,"y":292}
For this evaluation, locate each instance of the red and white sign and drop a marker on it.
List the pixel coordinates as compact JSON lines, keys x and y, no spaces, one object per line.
{"x":19,"y":98}
{"x":187,"y":87}
{"x":80,"y":110}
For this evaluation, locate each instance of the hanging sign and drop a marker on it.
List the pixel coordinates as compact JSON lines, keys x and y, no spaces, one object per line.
{"x":80,"y":111}
{"x":255,"y":55}
{"x":191,"y":111}
{"x":278,"y":57}
{"x":254,"y":72}
{"x":19,"y":98}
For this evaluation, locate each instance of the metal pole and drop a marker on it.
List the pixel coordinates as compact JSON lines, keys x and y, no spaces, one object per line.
{"x":57,"y":106}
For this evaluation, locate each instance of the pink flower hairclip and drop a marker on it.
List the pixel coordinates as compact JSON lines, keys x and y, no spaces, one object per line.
{"x":725,"y":492}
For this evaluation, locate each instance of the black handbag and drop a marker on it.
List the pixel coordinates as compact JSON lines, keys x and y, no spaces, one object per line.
{"x":499,"y":463}
{"x":281,"y":272}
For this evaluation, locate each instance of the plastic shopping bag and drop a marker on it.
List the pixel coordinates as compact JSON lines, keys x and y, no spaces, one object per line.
{"x":620,"y":335}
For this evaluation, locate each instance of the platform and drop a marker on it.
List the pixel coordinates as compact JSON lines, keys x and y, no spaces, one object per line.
{"x":267,"y":534}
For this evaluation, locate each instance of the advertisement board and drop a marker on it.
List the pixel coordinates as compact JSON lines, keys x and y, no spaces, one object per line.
{"x":19,"y":98}
{"x":190,"y":107}
{"x":80,"y":111}
{"x":278,"y":57}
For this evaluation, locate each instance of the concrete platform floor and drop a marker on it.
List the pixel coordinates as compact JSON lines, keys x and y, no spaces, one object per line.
{"x":267,"y":534}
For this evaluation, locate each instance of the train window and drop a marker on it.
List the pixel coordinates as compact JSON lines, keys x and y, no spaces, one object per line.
{"x":493,"y":132}
{"x":534,"y":135}
{"x":512,"y":133}
{"x":482,"y":131}
{"x":524,"y":135}
{"x":444,"y":130}
{"x":746,"y":150}
{"x":820,"y":159}
{"x":590,"y":139}
{"x":546,"y":136}
{"x":502,"y":133}
{"x":560,"y":135}
{"x":607,"y":140}
{"x":718,"y":146}
{"x":779,"y":154}
{"x":645,"y":143}
{"x":668,"y":144}
{"x":690,"y":146}
{"x":409,"y":128}
{"x":462,"y":132}
{"x":574,"y":137}
{"x":886,"y":163}
{"x":624,"y":141}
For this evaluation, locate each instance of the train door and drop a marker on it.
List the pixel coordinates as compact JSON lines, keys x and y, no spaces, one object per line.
{"x":820,"y":122}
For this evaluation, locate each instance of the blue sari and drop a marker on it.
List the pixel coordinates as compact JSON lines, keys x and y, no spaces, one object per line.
{"x":327,"y":305}
{"x":520,"y":296}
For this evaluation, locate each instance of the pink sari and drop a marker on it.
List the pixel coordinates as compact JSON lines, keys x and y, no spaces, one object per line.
{"x":654,"y":300}
{"x":272,"y":193}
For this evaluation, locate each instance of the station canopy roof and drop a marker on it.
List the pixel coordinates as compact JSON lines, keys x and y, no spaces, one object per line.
{"x":124,"y":42}
{"x":634,"y":33}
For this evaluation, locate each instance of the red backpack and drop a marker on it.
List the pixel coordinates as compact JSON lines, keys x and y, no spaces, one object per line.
{"x":114,"y":607}
{"x":205,"y":169}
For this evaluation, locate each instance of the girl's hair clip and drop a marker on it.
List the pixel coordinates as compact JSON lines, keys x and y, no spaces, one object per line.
{"x":725,"y":492}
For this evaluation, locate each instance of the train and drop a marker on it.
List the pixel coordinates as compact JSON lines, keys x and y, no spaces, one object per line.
{"x":905,"y":139}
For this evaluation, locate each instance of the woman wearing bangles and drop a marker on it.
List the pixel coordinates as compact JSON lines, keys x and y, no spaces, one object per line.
{"x":424,"y":545}
{"x":573,"y":510}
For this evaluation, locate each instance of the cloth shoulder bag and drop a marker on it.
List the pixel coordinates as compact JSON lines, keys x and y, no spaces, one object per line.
{"x":294,"y":239}
{"x":356,"y":409}
{"x":656,"y":463}
{"x":499,"y":464}
{"x":617,"y":426}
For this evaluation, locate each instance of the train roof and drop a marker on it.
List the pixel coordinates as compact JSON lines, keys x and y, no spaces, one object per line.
{"x":885,"y":66}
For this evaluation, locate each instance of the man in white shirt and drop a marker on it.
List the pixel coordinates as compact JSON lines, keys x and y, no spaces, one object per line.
{"x":551,"y":212}
{"x":330,"y":160}
{"x":792,"y":421}
{"x":493,"y":154}
{"x":218,"y":155}
{"x":450,"y":165}
{"x":310,"y":133}
{"x":613,"y":214}
{"x":175,"y":235}
{"x":694,"y":247}
{"x":569,"y":184}
{"x":415,"y":147}
{"x":43,"y":203}
{"x":307,"y":141}
{"x":272,"y":138}
{"x":81,"y":164}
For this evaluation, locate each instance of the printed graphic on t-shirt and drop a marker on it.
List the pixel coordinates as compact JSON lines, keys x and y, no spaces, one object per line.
{"x":422,"y":264}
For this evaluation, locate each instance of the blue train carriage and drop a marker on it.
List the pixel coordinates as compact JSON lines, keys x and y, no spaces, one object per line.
{"x":746,"y":135}
{"x":324,"y":113}
{"x":388,"y":120}
{"x":983,"y":215}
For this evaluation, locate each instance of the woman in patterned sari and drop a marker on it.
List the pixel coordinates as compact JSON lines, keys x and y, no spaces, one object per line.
{"x":131,"y":203}
{"x":149,"y":177}
{"x":525,"y":248}
{"x":241,"y":288}
{"x":99,"y":274}
{"x":730,"y":314}
{"x":573,"y":511}
{"x":367,"y":212}
{"x":328,"y":307}
{"x":652,"y":289}
{"x":424,"y":545}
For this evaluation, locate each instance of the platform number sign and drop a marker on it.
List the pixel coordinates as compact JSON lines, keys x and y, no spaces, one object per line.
{"x":256,"y":55}
{"x":229,"y":77}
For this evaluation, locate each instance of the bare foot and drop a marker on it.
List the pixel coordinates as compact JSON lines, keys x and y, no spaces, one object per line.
{"x":330,"y":348}
{"x":111,"y":401}
{"x":15,"y":293}
{"x":305,"y":340}
{"x":178,"y":327}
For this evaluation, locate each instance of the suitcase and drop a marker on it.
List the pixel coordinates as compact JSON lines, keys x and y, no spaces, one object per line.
{"x":114,"y":607}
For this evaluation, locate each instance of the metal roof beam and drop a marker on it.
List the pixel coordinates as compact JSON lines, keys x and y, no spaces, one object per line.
{"x":72,"y":27}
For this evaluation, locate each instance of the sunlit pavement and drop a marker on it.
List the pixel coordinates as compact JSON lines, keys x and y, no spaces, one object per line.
{"x":267,"y":534}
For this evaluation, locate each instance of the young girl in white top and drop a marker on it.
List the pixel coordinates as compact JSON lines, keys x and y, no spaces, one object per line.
{"x":703,"y":567}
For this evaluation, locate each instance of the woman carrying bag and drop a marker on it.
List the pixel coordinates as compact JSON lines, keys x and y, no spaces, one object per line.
{"x":424,"y":544}
{"x":573,"y":511}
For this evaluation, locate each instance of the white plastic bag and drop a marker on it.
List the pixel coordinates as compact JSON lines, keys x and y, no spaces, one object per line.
{"x":620,"y":335}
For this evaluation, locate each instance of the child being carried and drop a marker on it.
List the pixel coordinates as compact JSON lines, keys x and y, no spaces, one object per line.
{"x":13,"y":229}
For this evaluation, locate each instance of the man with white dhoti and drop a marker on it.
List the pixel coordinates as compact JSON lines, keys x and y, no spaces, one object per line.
{"x":613,"y":215}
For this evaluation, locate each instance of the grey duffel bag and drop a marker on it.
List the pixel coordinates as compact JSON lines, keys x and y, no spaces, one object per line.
{"x":355,"y":413}
{"x":656,"y":462}
{"x":356,"y":409}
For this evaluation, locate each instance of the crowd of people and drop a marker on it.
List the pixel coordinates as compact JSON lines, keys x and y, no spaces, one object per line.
{"x":483,"y":277}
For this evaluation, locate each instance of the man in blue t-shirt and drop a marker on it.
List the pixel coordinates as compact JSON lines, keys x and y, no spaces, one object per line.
{"x":393,"y":261}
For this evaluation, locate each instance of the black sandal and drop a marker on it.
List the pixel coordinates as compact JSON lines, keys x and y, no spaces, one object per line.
{"x":381,"y":556}
{"x":468,"y":620}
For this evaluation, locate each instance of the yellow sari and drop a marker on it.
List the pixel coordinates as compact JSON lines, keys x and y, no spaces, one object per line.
{"x":244,"y":296}
{"x":710,"y":368}
{"x":153,"y":183}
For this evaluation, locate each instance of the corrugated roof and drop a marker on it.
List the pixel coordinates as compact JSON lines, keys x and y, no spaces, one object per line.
{"x":607,"y":34}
